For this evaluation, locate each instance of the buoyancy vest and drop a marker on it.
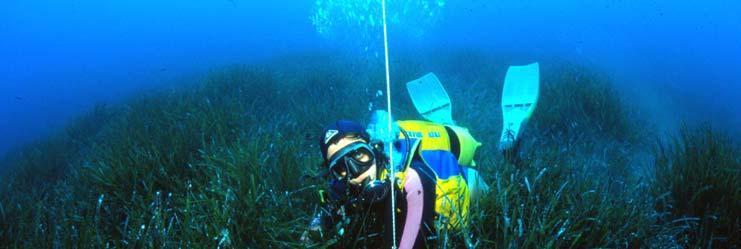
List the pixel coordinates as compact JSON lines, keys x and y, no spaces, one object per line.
{"x":454,"y":139}
{"x":444,"y":151}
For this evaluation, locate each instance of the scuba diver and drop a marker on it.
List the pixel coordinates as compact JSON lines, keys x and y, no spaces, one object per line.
{"x":432,"y":189}
{"x":435,"y":180}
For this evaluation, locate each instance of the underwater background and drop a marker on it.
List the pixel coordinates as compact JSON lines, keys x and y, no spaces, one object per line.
{"x":133,"y":124}
{"x":677,"y":58}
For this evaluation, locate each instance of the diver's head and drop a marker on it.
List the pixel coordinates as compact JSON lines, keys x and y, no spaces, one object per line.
{"x":347,"y":153}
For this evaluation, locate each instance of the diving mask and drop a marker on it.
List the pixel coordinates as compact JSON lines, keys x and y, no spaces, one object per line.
{"x":351,"y":161}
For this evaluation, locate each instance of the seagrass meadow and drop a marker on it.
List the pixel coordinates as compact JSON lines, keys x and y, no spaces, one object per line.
{"x":219,"y":163}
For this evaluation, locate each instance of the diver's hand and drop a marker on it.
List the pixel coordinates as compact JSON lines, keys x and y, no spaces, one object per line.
{"x":314,"y":227}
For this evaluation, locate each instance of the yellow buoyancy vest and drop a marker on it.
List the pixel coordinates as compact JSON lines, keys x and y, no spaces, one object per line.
{"x":435,"y":136}
{"x":439,"y":146}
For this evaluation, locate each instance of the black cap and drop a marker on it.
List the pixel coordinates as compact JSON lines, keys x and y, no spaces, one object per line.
{"x":339,"y":129}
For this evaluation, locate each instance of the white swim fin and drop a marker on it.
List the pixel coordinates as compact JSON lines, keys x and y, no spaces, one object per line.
{"x":519,"y":98}
{"x":431,"y":100}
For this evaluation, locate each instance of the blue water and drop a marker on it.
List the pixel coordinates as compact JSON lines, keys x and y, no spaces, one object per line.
{"x":677,"y":60}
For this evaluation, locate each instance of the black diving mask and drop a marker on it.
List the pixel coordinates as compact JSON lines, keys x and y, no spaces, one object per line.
{"x":351,"y":161}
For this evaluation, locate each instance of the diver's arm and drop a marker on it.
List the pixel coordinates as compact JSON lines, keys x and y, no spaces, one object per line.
{"x":415,"y":207}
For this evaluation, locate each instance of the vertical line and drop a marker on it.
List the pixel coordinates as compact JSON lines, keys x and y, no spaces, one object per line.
{"x":390,"y":144}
